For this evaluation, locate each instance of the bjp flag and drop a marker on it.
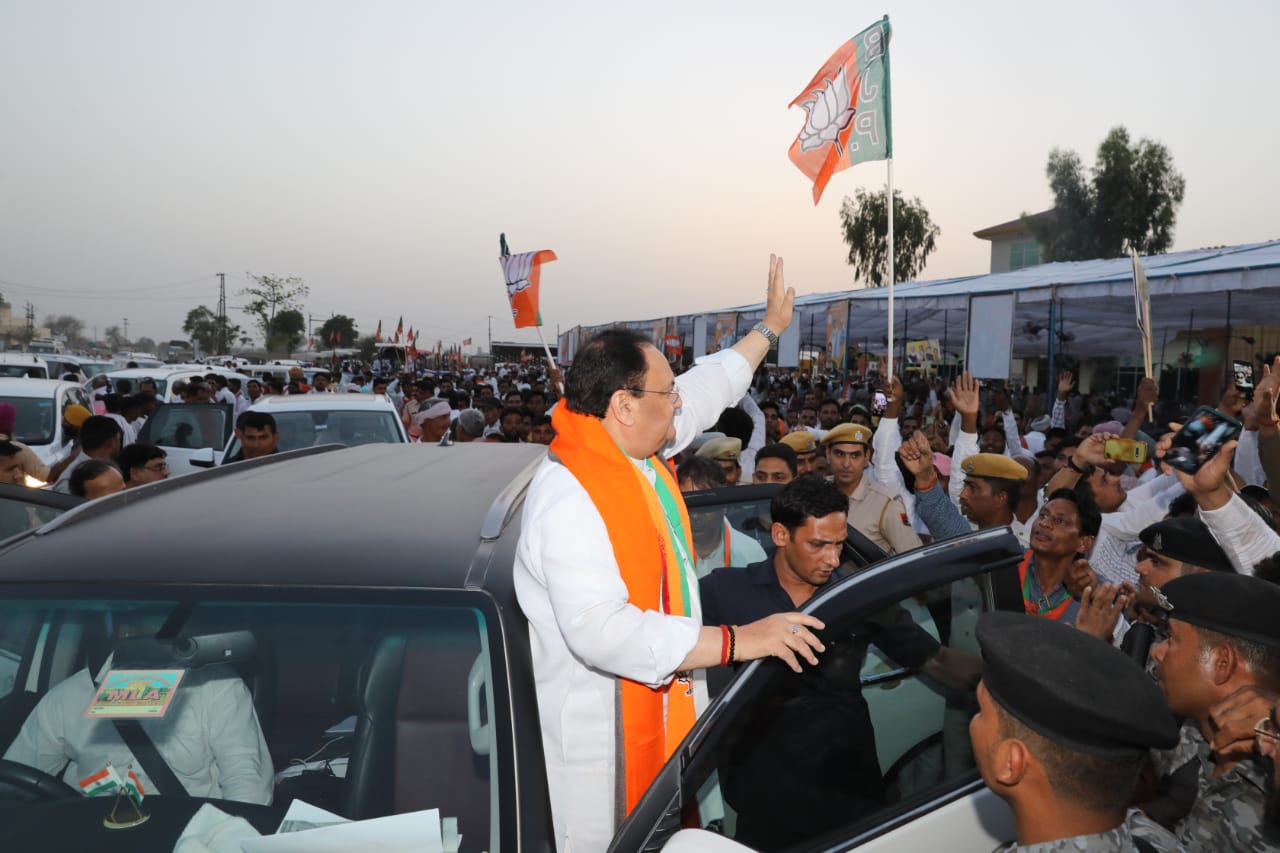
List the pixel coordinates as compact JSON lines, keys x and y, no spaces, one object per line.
{"x":521,"y":275}
{"x":847,"y":109}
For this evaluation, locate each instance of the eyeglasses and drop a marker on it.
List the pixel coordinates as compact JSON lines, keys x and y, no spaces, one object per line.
{"x":156,"y":469}
{"x":673,"y":394}
{"x":1057,"y":520}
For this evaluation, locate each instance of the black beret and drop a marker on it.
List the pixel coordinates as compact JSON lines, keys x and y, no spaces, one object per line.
{"x":1188,"y":540}
{"x":1072,"y":688}
{"x":1236,"y":605}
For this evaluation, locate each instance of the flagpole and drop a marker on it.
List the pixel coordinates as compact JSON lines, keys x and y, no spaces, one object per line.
{"x":889,"y":357}
{"x":550,"y":358}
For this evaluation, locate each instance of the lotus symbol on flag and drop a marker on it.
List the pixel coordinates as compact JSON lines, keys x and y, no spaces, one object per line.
{"x":514,"y":287}
{"x":829,"y":113}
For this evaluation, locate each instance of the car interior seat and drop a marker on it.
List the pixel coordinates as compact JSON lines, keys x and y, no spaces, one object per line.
{"x":412,"y":747}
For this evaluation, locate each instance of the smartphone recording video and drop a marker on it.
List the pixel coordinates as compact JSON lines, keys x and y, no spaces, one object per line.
{"x":1127,"y":450}
{"x":1243,"y":371}
{"x":1200,"y":438}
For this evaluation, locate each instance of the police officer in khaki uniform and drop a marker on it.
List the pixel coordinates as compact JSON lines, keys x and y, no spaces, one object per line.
{"x":875,"y":510}
{"x":725,"y":451}
{"x":806,"y":448}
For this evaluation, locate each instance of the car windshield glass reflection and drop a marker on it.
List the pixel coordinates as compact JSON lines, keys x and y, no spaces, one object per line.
{"x":35,"y":423}
{"x":365,"y":711}
{"x":309,"y":429}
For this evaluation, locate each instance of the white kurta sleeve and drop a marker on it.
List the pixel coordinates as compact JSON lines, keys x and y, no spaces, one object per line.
{"x":966,"y":445}
{"x":1242,"y":534}
{"x":713,"y":384}
{"x":571,"y":558}
{"x":235,"y":739}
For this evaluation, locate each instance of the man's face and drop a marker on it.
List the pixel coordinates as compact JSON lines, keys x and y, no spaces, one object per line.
{"x":107,"y":483}
{"x":320,"y":382}
{"x":732,"y":471}
{"x":254,"y":389}
{"x":1054,"y":444}
{"x":155,"y":469}
{"x":908,"y":427}
{"x":1107,"y":490}
{"x":1184,"y":671}
{"x":1060,"y":460}
{"x":793,"y":419}
{"x":811,"y":552}
{"x":258,"y":441}
{"x":979,"y":502}
{"x":446,"y":387}
{"x":808,"y":416}
{"x":771,"y":470}
{"x":11,"y":471}
{"x":1056,"y":530}
{"x":655,"y":418}
{"x":514,"y":398}
{"x":419,"y":393}
{"x":828,"y":415}
{"x":772,"y":422}
{"x":379,"y":386}
{"x":992,"y":441}
{"x":805,"y":463}
{"x":204,"y":394}
{"x":860,"y":418}
{"x":537,"y":404}
{"x":847,"y":462}
{"x":1156,"y":570}
{"x":543,"y":433}
{"x":810,"y":399}
{"x":512,"y":423}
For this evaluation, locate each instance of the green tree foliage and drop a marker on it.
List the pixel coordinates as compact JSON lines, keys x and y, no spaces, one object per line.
{"x":212,"y":336}
{"x":287,"y":331}
{"x":1129,"y":199}
{"x":864,"y":221}
{"x":270,"y":295}
{"x":367,"y":347}
{"x":338,"y":331}
{"x":145,"y":344}
{"x":113,"y":336}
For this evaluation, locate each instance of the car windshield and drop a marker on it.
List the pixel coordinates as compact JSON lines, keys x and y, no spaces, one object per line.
{"x":93,"y":368}
{"x":36,"y":420}
{"x":350,"y":428}
{"x":161,"y":384}
{"x":363,"y":709}
{"x":19,"y":371}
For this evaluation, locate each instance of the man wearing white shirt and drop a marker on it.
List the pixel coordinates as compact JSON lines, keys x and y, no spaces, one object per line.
{"x":602,"y":533}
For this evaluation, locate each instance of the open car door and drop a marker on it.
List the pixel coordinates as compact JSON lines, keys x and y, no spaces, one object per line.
{"x":193,"y":435}
{"x":868,"y":750}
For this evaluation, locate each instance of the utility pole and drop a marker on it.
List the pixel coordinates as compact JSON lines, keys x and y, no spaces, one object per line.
{"x":221,"y":337}
{"x":490,"y":334}
{"x":126,"y":330}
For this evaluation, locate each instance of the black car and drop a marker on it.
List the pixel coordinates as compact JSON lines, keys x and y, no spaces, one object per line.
{"x":354,"y":611}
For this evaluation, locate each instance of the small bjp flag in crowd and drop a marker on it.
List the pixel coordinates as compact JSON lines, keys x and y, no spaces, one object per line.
{"x":521,"y":272}
{"x":847,"y":106}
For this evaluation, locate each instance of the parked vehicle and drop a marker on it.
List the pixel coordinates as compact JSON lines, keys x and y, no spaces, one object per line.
{"x":40,"y":404}
{"x":388,"y":663}
{"x":15,"y":365}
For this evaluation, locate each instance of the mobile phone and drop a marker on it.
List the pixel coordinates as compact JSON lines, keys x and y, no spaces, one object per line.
{"x":879,"y":402}
{"x":1126,"y":450}
{"x":1200,"y":438}
{"x":928,"y":421}
{"x":1243,"y":371}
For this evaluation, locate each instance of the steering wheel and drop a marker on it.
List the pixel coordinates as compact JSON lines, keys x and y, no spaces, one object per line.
{"x":32,"y":784}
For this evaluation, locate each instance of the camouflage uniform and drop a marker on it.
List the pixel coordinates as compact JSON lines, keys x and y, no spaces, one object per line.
{"x":1225,"y":812}
{"x":1150,"y":837}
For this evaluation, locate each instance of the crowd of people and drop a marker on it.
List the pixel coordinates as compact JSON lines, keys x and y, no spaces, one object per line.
{"x":629,"y":596}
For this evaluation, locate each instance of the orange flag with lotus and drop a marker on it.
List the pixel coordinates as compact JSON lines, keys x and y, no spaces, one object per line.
{"x":847,"y":111}
{"x":521,"y":273}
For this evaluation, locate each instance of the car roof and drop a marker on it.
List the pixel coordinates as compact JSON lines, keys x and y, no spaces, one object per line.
{"x":417,"y":515}
{"x":326,"y":401}
{"x":15,"y":386}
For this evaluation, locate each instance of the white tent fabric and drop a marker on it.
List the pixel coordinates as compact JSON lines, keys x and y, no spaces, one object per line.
{"x":1199,"y":289}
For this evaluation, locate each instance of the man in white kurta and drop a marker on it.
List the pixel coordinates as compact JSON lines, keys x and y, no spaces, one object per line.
{"x":584,"y":633}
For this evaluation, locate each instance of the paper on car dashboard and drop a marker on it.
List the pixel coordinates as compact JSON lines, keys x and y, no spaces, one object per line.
{"x":416,"y":831}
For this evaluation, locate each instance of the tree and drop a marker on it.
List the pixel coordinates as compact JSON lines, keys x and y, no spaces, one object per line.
{"x":113,"y":337}
{"x":865,"y":222}
{"x":338,"y":331}
{"x":69,"y":327}
{"x":367,"y":346}
{"x":287,"y":331}
{"x":1128,"y":200}
{"x":145,"y":344}
{"x":211,"y":333}
{"x":272,"y":295}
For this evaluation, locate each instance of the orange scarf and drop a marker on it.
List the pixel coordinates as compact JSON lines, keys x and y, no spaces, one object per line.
{"x":653,"y":722}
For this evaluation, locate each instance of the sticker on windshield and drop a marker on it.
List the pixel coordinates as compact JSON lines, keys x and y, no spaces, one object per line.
{"x":138,"y":694}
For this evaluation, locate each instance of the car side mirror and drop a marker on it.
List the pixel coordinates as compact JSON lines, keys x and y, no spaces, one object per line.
{"x":202,"y":458}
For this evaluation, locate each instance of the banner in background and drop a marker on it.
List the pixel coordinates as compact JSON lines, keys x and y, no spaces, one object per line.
{"x":837,"y":333}
{"x":726,"y":331}
{"x":924,"y":352}
{"x":990,"y":339}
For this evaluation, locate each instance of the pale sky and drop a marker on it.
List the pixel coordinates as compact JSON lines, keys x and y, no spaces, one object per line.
{"x":376,"y":149}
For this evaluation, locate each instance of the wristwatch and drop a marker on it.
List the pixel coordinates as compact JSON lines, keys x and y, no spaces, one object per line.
{"x":1083,"y":472}
{"x":767,"y":332}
